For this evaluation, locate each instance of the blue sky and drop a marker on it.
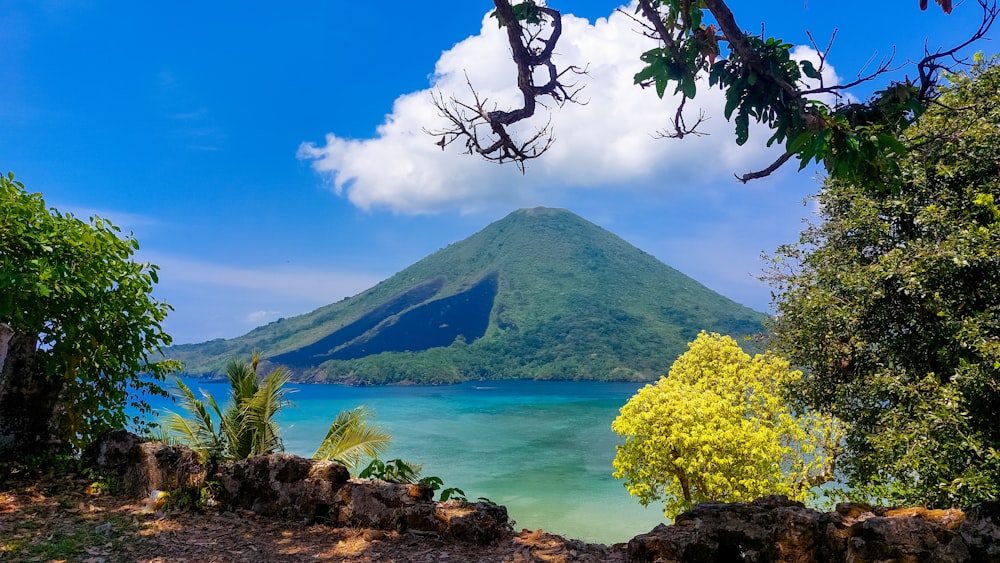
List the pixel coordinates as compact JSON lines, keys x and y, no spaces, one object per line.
{"x":270,"y":156}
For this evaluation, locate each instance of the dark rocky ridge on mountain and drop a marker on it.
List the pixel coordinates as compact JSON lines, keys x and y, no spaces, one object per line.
{"x":541,"y":293}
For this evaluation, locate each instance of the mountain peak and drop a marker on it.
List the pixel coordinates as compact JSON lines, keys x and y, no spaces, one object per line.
{"x":522,"y":298}
{"x":542,"y":211}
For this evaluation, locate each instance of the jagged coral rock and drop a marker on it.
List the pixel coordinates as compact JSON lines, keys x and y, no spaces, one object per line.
{"x":774,"y":529}
{"x":143,"y":466}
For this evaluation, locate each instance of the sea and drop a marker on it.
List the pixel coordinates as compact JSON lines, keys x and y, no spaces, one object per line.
{"x":543,"y":449}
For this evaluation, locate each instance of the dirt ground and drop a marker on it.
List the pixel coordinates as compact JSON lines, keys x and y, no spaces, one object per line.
{"x":63,"y":518}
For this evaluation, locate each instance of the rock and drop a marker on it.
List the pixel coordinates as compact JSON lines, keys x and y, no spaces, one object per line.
{"x":283,"y":485}
{"x":30,"y":422}
{"x":480,"y":523}
{"x":141,"y":466}
{"x":112,"y":452}
{"x":173,"y":468}
{"x":904,"y":538}
{"x":774,"y":529}
{"x":769,"y":529}
{"x":288,"y":486}
{"x":387,"y":506}
{"x":981,"y":531}
{"x":5,"y":335}
{"x":291,"y":487}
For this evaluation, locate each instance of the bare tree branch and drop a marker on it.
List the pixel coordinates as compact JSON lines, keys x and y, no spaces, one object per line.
{"x":781,"y":160}
{"x":486,"y":130}
{"x":680,"y":126}
{"x":930,"y":66}
{"x":533,"y":31}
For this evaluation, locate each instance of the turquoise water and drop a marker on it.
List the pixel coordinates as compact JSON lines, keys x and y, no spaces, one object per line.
{"x":542,"y":449}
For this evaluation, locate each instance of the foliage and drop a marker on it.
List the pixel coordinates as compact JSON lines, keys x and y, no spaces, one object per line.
{"x":351,"y":439}
{"x":856,"y":141}
{"x":717,"y":429}
{"x":74,"y":285}
{"x":892,"y":302}
{"x":573,"y":301}
{"x":393,"y":471}
{"x":248,"y":426}
{"x":398,"y":471}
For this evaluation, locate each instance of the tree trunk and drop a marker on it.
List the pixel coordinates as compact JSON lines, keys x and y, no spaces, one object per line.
{"x":29,"y":398}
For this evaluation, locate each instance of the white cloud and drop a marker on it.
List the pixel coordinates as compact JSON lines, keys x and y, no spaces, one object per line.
{"x":608,"y":143}
{"x":212,"y":300}
{"x":315,"y":285}
{"x":258,"y":318}
{"x":829,"y":74}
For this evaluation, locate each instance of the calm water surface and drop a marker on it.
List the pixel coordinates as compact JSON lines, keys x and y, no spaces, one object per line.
{"x":542,"y":449}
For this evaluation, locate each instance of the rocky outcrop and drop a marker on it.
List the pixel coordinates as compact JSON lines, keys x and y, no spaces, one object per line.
{"x":774,"y":529}
{"x":768,"y":530}
{"x":288,"y":486}
{"x":481,"y":522}
{"x":142,"y":467}
{"x":282,"y":485}
{"x":29,"y":399}
{"x":292,"y":487}
{"x":382,"y":505}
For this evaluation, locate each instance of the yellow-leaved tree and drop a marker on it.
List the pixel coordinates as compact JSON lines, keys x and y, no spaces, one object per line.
{"x":718,"y":428}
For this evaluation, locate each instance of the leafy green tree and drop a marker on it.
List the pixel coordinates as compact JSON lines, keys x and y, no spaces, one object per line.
{"x":247,"y":425}
{"x":717,"y":429}
{"x":892,"y":301}
{"x":83,"y":333}
{"x":762,"y":83}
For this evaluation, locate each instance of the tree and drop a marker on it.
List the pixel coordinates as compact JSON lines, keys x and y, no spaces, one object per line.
{"x":84,"y":332}
{"x":892,"y":302}
{"x":247,"y":426}
{"x":717,"y":429}
{"x":855,"y":140}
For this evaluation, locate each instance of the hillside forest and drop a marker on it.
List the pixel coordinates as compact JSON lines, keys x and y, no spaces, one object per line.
{"x":540,"y":294}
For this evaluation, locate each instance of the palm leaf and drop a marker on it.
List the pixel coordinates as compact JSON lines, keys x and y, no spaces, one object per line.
{"x":352,"y":438}
{"x":198,"y":431}
{"x":262,"y":409}
{"x":248,"y":425}
{"x":242,"y":388}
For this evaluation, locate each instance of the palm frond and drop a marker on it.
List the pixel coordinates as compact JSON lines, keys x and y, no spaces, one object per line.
{"x":198,"y":431}
{"x":262,"y":410}
{"x":248,"y":425}
{"x":243,"y":386}
{"x":351,"y":438}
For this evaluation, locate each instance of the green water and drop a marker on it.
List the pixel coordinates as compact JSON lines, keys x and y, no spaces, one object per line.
{"x":542,"y":449}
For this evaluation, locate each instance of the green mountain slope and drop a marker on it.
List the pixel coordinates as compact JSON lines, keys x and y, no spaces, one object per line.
{"x":541,"y":293}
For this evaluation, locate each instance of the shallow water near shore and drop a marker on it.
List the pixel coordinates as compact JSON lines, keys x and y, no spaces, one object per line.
{"x":543,"y":449}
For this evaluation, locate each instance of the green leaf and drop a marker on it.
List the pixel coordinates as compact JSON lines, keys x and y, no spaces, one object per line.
{"x":452,"y":492}
{"x":892,"y":143}
{"x":696,"y":15}
{"x":732,"y":101}
{"x":809,"y":70}
{"x":742,"y":127}
{"x":661,"y":85}
{"x":645,"y":74}
{"x":799,"y":141}
{"x":688,"y":86}
{"x":432,"y":482}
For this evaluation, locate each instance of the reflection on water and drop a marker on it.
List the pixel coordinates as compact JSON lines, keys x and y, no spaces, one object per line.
{"x":543,"y":449}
